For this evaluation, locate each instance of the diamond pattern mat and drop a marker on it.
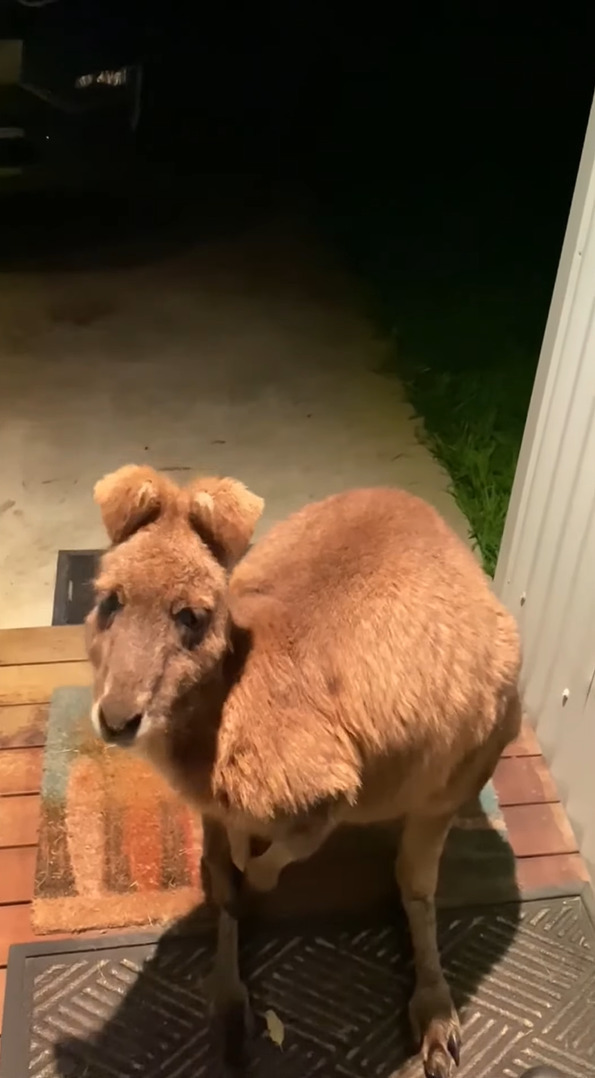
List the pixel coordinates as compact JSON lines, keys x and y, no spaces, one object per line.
{"x":523,"y":976}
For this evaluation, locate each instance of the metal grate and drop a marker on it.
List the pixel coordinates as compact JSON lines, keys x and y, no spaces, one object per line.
{"x":73,"y":592}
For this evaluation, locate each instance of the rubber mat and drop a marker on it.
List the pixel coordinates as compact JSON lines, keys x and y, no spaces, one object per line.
{"x":73,"y":591}
{"x":522,"y":975}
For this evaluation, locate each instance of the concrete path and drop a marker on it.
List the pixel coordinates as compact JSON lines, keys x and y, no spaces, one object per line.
{"x":250,"y":357}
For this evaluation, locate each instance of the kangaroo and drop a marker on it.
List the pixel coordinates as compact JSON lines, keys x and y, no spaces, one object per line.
{"x":351,"y":667}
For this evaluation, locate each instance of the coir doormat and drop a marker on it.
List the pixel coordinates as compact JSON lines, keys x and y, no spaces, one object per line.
{"x":117,"y":847}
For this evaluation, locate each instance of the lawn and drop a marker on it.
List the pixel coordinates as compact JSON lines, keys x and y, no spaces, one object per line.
{"x":469,"y":375}
{"x":466,"y":326}
{"x":436,"y":179}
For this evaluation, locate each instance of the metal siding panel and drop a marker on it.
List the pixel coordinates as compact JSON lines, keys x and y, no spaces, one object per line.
{"x":546,"y":571}
{"x":564,"y":494}
{"x":550,"y":359}
{"x":572,"y":768}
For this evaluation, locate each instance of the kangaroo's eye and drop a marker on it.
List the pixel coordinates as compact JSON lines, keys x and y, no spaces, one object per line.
{"x":107,"y":608}
{"x":193,"y":626}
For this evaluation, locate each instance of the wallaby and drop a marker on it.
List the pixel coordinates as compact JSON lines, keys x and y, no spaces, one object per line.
{"x":353,"y":667}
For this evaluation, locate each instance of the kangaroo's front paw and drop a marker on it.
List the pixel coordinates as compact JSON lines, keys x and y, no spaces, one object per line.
{"x":262,"y":873}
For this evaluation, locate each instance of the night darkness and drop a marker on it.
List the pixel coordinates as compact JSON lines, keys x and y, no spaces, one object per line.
{"x":435,"y":146}
{"x":455,"y":129}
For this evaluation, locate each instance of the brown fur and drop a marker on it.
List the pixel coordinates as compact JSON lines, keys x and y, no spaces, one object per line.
{"x":356,"y":667}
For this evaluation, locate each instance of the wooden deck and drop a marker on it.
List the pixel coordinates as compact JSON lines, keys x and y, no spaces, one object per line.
{"x":33,"y":662}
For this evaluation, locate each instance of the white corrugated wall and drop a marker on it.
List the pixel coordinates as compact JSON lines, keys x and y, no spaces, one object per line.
{"x":546,"y":571}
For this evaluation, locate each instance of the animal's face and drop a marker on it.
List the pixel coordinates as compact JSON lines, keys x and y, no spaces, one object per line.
{"x":159,"y":630}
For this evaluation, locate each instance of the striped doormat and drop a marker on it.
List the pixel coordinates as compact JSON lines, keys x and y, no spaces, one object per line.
{"x":117,"y":848}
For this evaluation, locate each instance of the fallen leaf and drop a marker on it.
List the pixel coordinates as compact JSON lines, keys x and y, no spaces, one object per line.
{"x":275,"y":1028}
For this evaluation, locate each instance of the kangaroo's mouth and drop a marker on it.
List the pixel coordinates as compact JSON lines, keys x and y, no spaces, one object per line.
{"x":116,"y":731}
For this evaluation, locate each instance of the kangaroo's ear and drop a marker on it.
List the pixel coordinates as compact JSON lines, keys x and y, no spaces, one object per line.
{"x":130,"y":498}
{"x":224,"y":513}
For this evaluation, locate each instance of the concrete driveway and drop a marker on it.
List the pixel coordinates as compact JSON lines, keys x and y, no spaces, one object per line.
{"x":249,"y":356}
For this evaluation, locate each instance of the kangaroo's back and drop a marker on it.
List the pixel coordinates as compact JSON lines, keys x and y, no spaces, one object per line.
{"x":374,"y":629}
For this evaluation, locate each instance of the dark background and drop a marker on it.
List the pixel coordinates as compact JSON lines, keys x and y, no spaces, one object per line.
{"x":461,"y":122}
{"x":435,"y":145}
{"x":431,"y":141}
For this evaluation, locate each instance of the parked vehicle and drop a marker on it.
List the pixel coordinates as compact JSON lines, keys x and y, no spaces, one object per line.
{"x":71,"y":81}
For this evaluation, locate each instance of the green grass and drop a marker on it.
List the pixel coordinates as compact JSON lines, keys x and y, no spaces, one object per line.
{"x":469,"y":376}
{"x":446,"y":213}
{"x":466,"y":345}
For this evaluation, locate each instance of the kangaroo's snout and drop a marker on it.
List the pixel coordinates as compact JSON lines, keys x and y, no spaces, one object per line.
{"x":117,"y":729}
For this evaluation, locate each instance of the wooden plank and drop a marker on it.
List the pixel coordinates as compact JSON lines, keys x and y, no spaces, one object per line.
{"x":46,"y":644}
{"x":19,"y":820}
{"x":524,"y":780}
{"x":35,"y":684}
{"x":538,"y":830}
{"x":16,"y":927}
{"x":17,"y":874}
{"x":559,"y":870}
{"x":526,"y":743}
{"x":20,"y":771}
{"x":23,"y":726}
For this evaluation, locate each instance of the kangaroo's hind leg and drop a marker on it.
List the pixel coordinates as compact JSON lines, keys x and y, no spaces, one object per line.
{"x":434,"y":1020}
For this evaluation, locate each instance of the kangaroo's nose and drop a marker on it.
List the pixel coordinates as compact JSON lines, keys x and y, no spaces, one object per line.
{"x":118,"y":731}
